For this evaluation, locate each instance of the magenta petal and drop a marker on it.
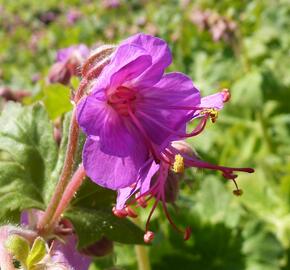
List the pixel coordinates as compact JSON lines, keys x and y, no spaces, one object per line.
{"x":115,"y":139}
{"x":81,"y":51}
{"x":161,"y":58}
{"x":155,"y":111}
{"x":213,"y":101}
{"x":127,"y":63}
{"x":66,"y":254}
{"x":111,"y":171}
{"x":91,"y":114}
{"x":145,"y":175}
{"x":31,"y":217}
{"x":97,"y":118}
{"x":130,"y":71}
{"x":123,"y":195}
{"x":174,"y":88}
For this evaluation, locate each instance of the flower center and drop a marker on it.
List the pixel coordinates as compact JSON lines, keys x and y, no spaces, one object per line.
{"x":121,"y":99}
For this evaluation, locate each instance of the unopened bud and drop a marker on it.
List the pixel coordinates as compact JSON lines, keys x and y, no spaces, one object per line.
{"x":9,"y":95}
{"x":59,"y":73}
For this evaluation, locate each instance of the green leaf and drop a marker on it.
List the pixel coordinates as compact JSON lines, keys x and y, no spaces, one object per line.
{"x":30,"y":162}
{"x":57,"y":100}
{"x":28,"y":157}
{"x":36,"y":253}
{"x":91,"y":225}
{"x":93,"y":196}
{"x":91,"y":212}
{"x":91,"y":215}
{"x":261,"y":247}
{"x":247,"y":91}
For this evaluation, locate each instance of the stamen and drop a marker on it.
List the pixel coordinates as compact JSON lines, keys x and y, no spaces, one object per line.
{"x":146,"y":137}
{"x":193,"y":162}
{"x":228,"y":172}
{"x":237,"y":191}
{"x":142,"y":201}
{"x":199,"y":128}
{"x":131,"y":213}
{"x":213,"y":114}
{"x":178,"y":165}
{"x":120,"y":213}
{"x":151,"y":213}
{"x":158,"y":191}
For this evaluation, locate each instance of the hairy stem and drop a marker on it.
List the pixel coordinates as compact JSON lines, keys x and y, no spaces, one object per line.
{"x":94,"y":71}
{"x":70,"y":191}
{"x":65,"y":175}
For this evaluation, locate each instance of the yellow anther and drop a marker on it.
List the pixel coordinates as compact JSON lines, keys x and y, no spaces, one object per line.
{"x":213,"y":113}
{"x":178,"y":165}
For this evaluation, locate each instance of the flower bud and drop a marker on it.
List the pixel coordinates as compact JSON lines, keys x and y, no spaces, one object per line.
{"x":9,"y":95}
{"x":68,"y":64}
{"x":101,"y":248}
{"x":59,"y":73}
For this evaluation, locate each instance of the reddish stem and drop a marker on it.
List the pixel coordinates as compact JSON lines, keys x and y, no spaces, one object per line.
{"x":64,"y":177}
{"x":44,"y":222}
{"x":69,"y":192}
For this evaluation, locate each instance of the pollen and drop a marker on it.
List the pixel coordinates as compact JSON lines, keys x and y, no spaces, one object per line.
{"x":178,"y":165}
{"x":213,"y":114}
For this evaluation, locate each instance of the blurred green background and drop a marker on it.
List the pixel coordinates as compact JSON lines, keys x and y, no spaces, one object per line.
{"x":236,"y":44}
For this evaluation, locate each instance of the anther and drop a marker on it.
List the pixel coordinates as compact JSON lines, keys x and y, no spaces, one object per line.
{"x":142,"y":202}
{"x":178,"y":165}
{"x":131,"y":213}
{"x":120,"y":213}
{"x":213,"y":114}
{"x":148,"y":237}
